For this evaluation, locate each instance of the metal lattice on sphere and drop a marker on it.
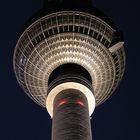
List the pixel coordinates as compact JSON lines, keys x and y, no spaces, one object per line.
{"x":68,"y":37}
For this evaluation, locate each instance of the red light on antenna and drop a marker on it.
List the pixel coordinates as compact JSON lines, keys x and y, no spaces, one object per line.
{"x":62,"y":102}
{"x":80,"y":103}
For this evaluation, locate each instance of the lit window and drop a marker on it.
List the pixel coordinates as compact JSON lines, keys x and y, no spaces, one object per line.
{"x":22,"y":60}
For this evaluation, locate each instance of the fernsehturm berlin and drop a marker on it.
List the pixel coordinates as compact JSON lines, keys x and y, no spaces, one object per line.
{"x":69,"y":59}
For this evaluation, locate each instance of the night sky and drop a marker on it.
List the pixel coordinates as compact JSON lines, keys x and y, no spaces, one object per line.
{"x":116,"y":119}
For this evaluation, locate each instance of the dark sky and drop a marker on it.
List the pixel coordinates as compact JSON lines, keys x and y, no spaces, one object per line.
{"x":117,"y":119}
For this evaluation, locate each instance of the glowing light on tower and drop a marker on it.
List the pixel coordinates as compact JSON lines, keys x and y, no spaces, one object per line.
{"x":69,"y":59}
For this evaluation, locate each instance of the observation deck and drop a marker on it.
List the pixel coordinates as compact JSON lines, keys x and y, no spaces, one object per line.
{"x":69,"y":36}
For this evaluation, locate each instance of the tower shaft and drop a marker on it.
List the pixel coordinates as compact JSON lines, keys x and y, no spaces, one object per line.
{"x":71,"y":116}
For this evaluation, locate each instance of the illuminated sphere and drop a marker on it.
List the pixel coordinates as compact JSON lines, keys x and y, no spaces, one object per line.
{"x":69,"y":36}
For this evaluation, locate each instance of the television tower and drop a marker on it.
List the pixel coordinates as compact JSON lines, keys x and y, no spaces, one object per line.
{"x":69,"y":59}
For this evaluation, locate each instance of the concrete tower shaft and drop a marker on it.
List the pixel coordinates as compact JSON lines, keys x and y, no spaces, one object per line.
{"x":71,"y":116}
